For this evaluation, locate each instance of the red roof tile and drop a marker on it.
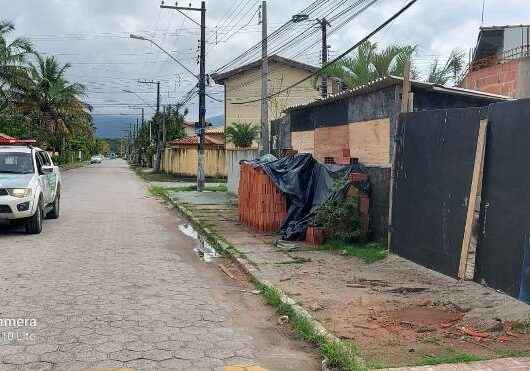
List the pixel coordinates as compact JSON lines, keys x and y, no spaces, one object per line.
{"x":211,"y":139}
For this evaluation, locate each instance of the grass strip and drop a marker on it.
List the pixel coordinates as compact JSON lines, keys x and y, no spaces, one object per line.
{"x":340,"y":354}
{"x":368,"y":252}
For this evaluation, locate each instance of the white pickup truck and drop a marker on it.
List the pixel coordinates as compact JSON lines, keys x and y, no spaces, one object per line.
{"x":30,"y":186}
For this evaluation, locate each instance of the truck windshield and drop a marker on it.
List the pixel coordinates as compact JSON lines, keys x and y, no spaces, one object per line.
{"x":16,"y":163}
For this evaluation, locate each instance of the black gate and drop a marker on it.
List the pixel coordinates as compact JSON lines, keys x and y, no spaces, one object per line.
{"x":433,"y":173}
{"x":503,"y":254}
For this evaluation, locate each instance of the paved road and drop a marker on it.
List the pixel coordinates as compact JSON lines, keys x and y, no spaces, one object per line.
{"x":113,"y":283}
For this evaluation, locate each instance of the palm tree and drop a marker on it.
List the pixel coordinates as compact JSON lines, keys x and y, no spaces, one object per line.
{"x":368,"y":64}
{"x":49,"y":98}
{"x":450,"y":70}
{"x":242,"y":135}
{"x":12,"y":59}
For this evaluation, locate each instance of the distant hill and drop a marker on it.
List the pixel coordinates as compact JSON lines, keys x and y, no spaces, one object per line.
{"x":218,"y":120}
{"x":111,"y":126}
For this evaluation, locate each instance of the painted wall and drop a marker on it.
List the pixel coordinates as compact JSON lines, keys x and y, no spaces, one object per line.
{"x":233,"y":157}
{"x":247,"y":86}
{"x":183,"y":161}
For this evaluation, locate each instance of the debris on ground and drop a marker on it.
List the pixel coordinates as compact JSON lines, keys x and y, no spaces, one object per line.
{"x":283,"y":320}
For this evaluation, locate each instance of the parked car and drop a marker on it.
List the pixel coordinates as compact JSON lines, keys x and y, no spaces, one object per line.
{"x":96,"y":159}
{"x":30,"y":186}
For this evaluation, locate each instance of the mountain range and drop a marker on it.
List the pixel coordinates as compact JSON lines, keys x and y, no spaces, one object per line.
{"x":116,"y":126}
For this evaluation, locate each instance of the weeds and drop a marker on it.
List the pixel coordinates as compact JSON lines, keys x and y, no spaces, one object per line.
{"x":509,"y":353}
{"x":191,"y":188}
{"x":368,"y":252}
{"x":158,"y":192}
{"x":450,"y":357}
{"x":343,"y":355}
{"x":149,"y":175}
{"x":521,"y":327}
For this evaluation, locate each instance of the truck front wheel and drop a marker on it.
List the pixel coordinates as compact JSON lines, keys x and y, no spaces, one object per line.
{"x":34,"y":224}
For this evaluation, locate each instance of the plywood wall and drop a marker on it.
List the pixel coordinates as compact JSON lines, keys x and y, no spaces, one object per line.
{"x":370,"y":141}
{"x":303,"y":141}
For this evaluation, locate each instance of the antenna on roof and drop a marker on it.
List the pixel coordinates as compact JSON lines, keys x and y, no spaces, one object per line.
{"x":483,"y":7}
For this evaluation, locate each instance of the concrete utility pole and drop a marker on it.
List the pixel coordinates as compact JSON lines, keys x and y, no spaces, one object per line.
{"x":324,"y":84}
{"x":265,"y":149}
{"x":159,"y":131}
{"x":202,"y":101}
{"x":202,"y":88}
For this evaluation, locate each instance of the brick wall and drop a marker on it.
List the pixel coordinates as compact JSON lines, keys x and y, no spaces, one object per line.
{"x":498,"y":79}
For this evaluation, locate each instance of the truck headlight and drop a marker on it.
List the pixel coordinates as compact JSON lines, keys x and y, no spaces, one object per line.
{"x":19,"y":192}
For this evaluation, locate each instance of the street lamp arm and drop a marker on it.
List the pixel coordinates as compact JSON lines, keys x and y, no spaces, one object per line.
{"x":132,"y":36}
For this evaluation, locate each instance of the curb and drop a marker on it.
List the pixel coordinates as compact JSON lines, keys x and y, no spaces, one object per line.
{"x":247,"y":266}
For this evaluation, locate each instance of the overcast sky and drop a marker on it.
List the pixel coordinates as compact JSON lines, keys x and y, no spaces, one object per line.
{"x":92,"y":35}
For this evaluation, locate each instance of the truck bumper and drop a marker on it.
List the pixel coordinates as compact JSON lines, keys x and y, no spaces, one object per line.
{"x":12,"y":208}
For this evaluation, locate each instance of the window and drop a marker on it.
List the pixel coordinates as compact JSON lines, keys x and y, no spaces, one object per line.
{"x":16,"y":163}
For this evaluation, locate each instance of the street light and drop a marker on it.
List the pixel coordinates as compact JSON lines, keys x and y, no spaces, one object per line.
{"x":139,"y":37}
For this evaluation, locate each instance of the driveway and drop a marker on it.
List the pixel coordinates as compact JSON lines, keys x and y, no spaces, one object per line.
{"x":113,"y":283}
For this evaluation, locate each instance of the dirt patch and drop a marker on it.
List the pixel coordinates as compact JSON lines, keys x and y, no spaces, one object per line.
{"x":397,"y":312}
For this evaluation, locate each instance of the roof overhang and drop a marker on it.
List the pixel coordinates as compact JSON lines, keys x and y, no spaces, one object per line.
{"x":220,"y":78}
{"x":389,"y":81}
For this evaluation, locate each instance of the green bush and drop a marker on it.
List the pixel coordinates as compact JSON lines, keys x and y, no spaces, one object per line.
{"x":241,"y":135}
{"x":341,"y":218}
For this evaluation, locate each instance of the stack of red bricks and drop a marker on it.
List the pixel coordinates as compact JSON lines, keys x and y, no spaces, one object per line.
{"x":261,"y":204}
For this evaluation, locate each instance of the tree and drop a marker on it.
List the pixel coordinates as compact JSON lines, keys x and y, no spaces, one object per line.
{"x":175,"y":122}
{"x":241,"y":135}
{"x":52,"y":102}
{"x":368,"y":64}
{"x":38,"y":102}
{"x":12,"y":61}
{"x":450,"y":70}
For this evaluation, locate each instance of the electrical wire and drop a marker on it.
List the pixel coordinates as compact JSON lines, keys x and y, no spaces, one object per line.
{"x":355,"y":46}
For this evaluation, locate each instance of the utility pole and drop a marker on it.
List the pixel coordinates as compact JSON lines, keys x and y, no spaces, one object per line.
{"x":202,"y":89}
{"x":324,"y":84}
{"x":159,"y":131}
{"x":264,"y":83}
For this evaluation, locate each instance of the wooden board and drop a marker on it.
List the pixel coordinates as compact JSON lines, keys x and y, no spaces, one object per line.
{"x":476,"y":186}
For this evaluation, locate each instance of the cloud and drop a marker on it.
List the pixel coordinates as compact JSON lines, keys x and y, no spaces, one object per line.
{"x":93,"y":36}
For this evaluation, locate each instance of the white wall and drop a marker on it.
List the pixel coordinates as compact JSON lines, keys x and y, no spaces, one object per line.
{"x":233,"y":157}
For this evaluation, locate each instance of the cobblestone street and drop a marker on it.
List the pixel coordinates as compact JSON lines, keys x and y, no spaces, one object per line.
{"x":113,"y":283}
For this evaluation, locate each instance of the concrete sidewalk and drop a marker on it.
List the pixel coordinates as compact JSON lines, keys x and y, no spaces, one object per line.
{"x":391,"y":309}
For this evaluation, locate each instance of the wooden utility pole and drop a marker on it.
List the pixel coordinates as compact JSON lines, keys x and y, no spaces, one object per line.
{"x":265,"y":149}
{"x":405,"y":94}
{"x":202,"y":87}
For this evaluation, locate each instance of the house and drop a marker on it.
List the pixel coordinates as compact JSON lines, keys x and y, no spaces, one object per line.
{"x":501,"y":61}
{"x":189,"y":127}
{"x":180,"y":156}
{"x":361,"y":123}
{"x":244,"y":83}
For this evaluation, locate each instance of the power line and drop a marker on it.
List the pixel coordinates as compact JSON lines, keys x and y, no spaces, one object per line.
{"x":355,"y":46}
